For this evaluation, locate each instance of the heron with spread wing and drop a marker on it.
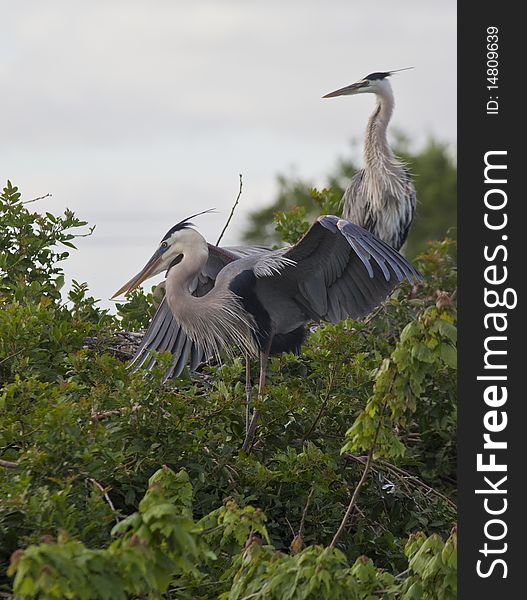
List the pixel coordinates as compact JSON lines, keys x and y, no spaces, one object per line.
{"x":380,"y":197}
{"x":259,"y":301}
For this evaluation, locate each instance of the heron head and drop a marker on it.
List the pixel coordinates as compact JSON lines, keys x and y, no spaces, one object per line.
{"x":374,"y":83}
{"x":175,"y":244}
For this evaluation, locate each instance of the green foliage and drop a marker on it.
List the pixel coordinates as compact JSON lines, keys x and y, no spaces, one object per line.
{"x":316,"y":572}
{"x":426,"y":348}
{"x":28,"y":247}
{"x":435,"y":178}
{"x":291,"y":225}
{"x":432,"y":568}
{"x":137,"y":312}
{"x":156,"y":545}
{"x":161,"y":546}
{"x":83,"y":435}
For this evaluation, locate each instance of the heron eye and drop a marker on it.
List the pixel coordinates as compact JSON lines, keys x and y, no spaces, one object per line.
{"x":164,"y":245}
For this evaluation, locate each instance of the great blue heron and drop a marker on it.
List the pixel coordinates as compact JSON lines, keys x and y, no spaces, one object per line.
{"x":380,"y":197}
{"x":261,"y":302}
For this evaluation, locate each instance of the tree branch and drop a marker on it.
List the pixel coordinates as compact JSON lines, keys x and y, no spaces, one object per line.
{"x":367,"y":468}
{"x":11,"y":356}
{"x":304,"y":513}
{"x":329,"y":389}
{"x":48,"y":195}
{"x":232,"y":210}
{"x":106,"y":497}
{"x":405,"y":475}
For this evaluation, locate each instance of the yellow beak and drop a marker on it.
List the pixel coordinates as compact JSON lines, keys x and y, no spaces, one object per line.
{"x":148,"y":270}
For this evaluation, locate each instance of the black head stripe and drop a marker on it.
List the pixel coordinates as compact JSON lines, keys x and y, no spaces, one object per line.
{"x":377,"y":76}
{"x":185,"y":224}
{"x":182,"y":225}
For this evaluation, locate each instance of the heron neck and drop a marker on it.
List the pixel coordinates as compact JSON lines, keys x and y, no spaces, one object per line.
{"x":378,"y":155}
{"x":214,"y":321}
{"x":183,"y":275}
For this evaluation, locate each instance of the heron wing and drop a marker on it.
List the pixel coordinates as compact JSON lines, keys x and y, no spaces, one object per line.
{"x":411,"y":200}
{"x":164,"y":334}
{"x":342,"y":270}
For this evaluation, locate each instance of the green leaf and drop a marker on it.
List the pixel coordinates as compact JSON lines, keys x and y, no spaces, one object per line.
{"x":423,"y":353}
{"x":449,"y":355}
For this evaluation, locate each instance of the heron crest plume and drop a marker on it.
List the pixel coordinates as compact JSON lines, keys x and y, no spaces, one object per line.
{"x":185,"y":223}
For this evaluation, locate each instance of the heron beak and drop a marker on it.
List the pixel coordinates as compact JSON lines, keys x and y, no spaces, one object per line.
{"x":348,"y":90}
{"x":151,"y":268}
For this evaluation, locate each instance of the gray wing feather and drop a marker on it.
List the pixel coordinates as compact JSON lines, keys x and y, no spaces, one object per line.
{"x":164,"y":334}
{"x":367,"y":251}
{"x":196,"y":357}
{"x":343,"y":270}
{"x":154,"y":335}
{"x":396,"y":262}
{"x":314,"y":289}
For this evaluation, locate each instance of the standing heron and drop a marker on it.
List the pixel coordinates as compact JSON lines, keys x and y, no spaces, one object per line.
{"x":218,"y":299}
{"x":381,"y":196}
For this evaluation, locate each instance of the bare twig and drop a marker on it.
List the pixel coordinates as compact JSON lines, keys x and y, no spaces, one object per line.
{"x":329,"y":389}
{"x":304,"y":513}
{"x":367,"y":468}
{"x":11,"y":356}
{"x":106,"y":497}
{"x":418,"y":482}
{"x":37,"y":199}
{"x":290,"y":526}
{"x":8,"y":464}
{"x":372,"y":315}
{"x":407,"y":479}
{"x":232,"y":210}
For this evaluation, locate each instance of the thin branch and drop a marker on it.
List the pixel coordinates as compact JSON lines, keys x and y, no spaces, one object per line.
{"x":8,"y":464}
{"x":373,"y":314}
{"x":367,"y":468}
{"x":11,"y":356}
{"x":290,"y":527}
{"x":37,"y":199}
{"x":90,"y":231}
{"x":232,"y":210}
{"x":407,"y":479}
{"x":304,"y":513}
{"x":189,"y":587}
{"x":106,"y":497}
{"x":329,"y":389}
{"x":418,"y":482}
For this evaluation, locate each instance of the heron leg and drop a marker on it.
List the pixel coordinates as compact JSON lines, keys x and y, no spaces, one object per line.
{"x":261,"y":384}
{"x":248,"y":392}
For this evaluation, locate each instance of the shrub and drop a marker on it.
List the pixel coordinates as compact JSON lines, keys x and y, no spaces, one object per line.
{"x":80,"y":437}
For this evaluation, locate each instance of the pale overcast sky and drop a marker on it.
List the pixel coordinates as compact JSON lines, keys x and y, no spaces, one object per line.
{"x":136,"y":113}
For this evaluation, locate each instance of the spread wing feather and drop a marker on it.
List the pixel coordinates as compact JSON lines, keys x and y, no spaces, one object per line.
{"x":342,"y":270}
